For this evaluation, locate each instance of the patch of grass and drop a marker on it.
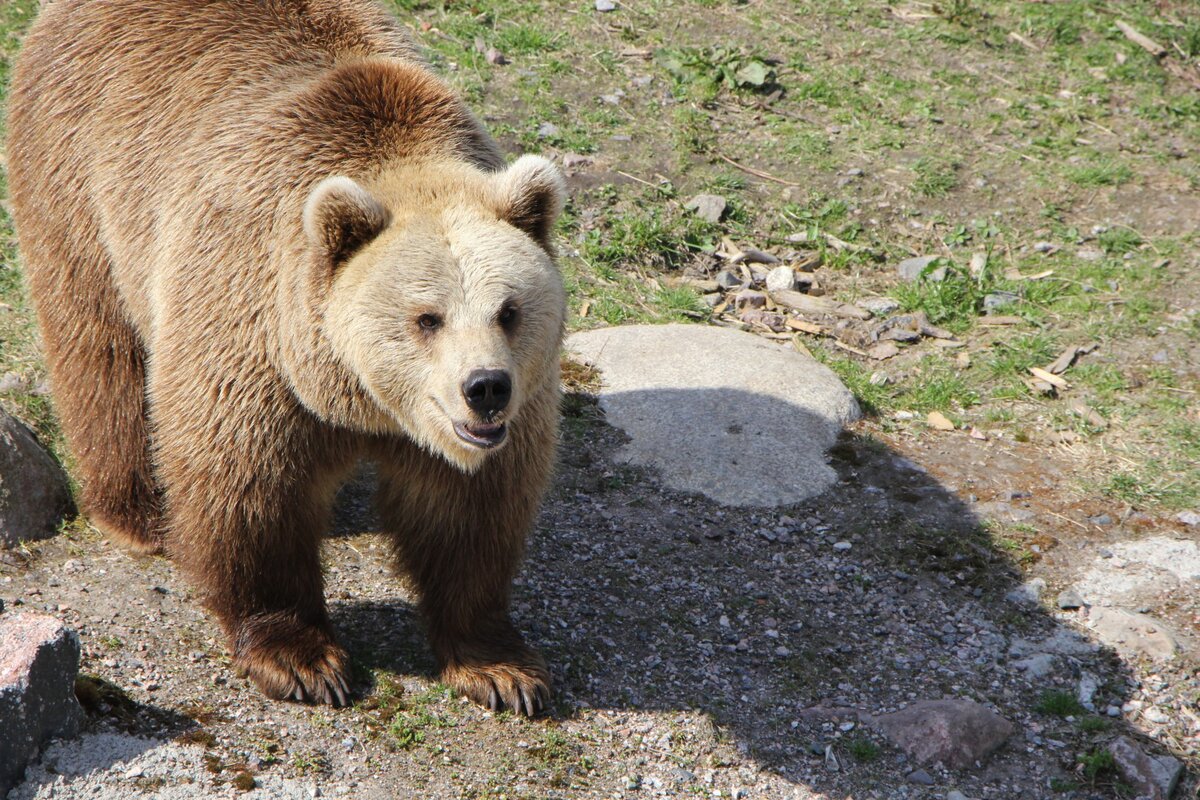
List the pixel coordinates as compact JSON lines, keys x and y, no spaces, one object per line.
{"x":701,"y":73}
{"x":1094,"y":724}
{"x":1101,"y":172}
{"x":1058,"y":703}
{"x":936,"y":177}
{"x":1098,"y":765}
{"x":863,"y":750}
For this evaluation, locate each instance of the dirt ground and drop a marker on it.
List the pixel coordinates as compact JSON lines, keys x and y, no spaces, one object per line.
{"x":700,"y":650}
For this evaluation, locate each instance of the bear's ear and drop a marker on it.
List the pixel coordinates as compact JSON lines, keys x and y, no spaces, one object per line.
{"x":340,"y":217}
{"x":531,"y":195}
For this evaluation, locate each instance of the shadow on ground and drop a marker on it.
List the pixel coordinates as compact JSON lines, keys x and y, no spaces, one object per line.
{"x":783,"y":626}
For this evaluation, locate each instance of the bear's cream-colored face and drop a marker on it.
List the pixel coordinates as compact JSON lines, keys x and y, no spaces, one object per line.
{"x":443,"y":298}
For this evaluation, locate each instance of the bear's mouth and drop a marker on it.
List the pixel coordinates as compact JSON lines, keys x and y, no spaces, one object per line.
{"x":481,"y":434}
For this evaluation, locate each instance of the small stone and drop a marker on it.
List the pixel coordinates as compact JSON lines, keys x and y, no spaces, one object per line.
{"x":494,"y":56}
{"x":817,"y":748}
{"x":547,"y":130}
{"x":1036,"y":666}
{"x":921,"y":777}
{"x":998,"y":300}
{"x":1069,"y":599}
{"x":631,"y":781}
{"x":1189,"y":518}
{"x":1089,"y":254}
{"x":749,"y":298}
{"x":1028,"y":593}
{"x":11,"y":382}
{"x":727,"y":279}
{"x":938,"y":421}
{"x":1150,"y":777}
{"x":605,"y":6}
{"x":134,"y":772}
{"x":781,"y":279}
{"x":708,"y":207}
{"x":912,"y":269}
{"x":1101,"y":519}
{"x":1045,"y":247}
{"x":879,"y":306}
{"x":1155,"y":715}
{"x":881,"y":351}
{"x":842,"y":546}
{"x":1113,"y":711}
{"x":854,"y":172}
{"x":955,"y":794}
{"x":713,"y":300}
{"x":879,"y":379}
{"x":1089,"y":684}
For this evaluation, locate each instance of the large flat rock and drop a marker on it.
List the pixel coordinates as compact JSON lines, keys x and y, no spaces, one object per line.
{"x":742,"y":420}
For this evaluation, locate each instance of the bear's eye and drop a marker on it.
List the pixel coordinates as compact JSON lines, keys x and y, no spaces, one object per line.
{"x":508,"y":316}
{"x":429,"y":322}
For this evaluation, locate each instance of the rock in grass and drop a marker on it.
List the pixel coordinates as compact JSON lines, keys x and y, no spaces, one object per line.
{"x":39,"y":659}
{"x":34,"y":496}
{"x":1151,"y":777}
{"x":605,"y":5}
{"x":958,"y":733}
{"x":708,"y":207}
{"x":912,"y":269}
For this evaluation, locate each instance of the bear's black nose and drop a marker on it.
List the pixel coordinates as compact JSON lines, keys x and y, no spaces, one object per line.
{"x":487,"y":391}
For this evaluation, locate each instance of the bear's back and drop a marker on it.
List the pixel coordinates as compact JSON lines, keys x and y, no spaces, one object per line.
{"x":180,"y":126}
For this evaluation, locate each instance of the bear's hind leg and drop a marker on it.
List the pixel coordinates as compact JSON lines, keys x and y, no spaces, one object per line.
{"x":459,"y":539}
{"x":97,"y":373}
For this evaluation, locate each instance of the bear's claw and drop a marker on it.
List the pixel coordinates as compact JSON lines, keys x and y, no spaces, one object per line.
{"x":307,"y":665}
{"x":523,"y":688}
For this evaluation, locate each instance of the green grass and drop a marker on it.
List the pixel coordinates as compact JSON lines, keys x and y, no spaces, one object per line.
{"x":1058,"y":703}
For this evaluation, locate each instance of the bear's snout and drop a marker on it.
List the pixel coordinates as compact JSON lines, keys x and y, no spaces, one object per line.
{"x":487,"y":391}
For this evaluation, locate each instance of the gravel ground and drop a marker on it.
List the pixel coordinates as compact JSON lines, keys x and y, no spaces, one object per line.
{"x":695,"y":649}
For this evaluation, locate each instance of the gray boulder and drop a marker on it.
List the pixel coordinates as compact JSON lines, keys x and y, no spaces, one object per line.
{"x":39,"y":659}
{"x":727,"y":414}
{"x":34,"y":495}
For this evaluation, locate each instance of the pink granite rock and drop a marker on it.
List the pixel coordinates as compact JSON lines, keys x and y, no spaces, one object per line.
{"x":39,"y":659}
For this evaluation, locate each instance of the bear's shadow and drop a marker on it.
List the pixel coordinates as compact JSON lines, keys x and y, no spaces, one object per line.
{"x":646,"y":599}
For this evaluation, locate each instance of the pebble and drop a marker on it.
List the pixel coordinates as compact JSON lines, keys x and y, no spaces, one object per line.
{"x":1028,"y":593}
{"x":843,"y":546}
{"x":781,"y":279}
{"x":632,"y":781}
{"x":921,"y":777}
{"x":605,"y":5}
{"x":911,"y":269}
{"x":1045,"y":247}
{"x":879,"y":306}
{"x":1189,"y":518}
{"x":10,"y":382}
{"x":727,"y":279}
{"x":547,"y":130}
{"x":1155,"y":715}
{"x":1069,"y":599}
{"x":955,"y":794}
{"x":708,"y":207}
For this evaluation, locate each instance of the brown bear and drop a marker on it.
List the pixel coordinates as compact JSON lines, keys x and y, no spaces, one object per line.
{"x":265,"y":241}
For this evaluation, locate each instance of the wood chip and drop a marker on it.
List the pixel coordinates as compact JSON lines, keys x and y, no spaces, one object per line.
{"x":937,"y":420}
{"x":1041,"y":387}
{"x":585,"y":308}
{"x":1000,"y":320}
{"x":849,"y":349}
{"x":1088,"y":414}
{"x":1068,"y":356}
{"x":807,"y":304}
{"x":806,"y":327}
{"x":1141,"y":40}
{"x":1050,"y":378}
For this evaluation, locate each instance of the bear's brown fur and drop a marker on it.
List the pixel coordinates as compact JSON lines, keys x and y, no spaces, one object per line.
{"x":263,"y":241}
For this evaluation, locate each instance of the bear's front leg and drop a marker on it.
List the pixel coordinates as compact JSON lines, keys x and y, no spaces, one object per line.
{"x":249,"y":484}
{"x":459,"y":539}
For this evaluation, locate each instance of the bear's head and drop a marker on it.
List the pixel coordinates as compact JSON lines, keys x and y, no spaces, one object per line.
{"x":442,"y":296}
